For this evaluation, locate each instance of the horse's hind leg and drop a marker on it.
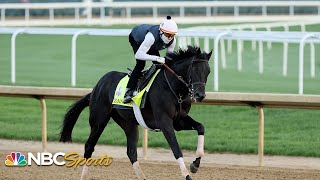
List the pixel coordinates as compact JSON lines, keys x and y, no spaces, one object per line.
{"x":131,"y":130}
{"x":132,"y":134}
{"x":187,"y":123}
{"x":99,"y":118}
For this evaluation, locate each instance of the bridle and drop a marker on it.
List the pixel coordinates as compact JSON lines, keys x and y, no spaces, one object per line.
{"x":190,"y":85}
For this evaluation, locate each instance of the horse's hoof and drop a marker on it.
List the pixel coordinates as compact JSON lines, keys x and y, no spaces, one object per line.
{"x":193,"y":168}
{"x":188,"y":178}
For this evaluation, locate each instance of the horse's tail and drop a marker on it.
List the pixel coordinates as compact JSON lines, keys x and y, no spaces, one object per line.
{"x":72,"y":116}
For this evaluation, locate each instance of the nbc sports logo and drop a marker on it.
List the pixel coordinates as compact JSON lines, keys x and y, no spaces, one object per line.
{"x":43,"y":159}
{"x":16,"y":159}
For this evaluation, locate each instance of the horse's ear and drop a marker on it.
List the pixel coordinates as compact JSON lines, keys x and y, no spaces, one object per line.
{"x":198,"y":51}
{"x":209,"y":55}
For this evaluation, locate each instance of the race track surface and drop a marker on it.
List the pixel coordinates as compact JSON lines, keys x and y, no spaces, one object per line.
{"x":160,"y":165}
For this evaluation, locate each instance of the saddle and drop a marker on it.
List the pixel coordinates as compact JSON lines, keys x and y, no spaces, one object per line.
{"x":145,"y":76}
{"x":144,"y":82}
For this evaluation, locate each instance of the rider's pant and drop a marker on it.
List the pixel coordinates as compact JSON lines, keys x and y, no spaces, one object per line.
{"x":140,"y":64}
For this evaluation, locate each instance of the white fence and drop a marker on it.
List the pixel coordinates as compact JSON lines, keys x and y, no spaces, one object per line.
{"x":283,"y":37}
{"x":104,"y":19}
{"x":254,"y":27}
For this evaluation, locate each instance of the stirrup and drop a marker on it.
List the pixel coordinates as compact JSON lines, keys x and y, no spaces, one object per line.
{"x":128,"y":96}
{"x":127,"y":99}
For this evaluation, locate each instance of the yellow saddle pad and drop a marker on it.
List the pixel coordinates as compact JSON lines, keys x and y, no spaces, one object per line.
{"x":121,"y":90}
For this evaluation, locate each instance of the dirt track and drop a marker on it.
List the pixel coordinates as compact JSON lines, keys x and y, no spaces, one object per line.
{"x":161,"y":165}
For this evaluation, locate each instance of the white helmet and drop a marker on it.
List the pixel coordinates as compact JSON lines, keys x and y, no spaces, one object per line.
{"x":169,"y":26}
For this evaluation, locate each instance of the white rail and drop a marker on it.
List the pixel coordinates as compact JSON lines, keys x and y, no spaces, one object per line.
{"x":101,"y":19}
{"x":261,"y":36}
{"x":254,"y":27}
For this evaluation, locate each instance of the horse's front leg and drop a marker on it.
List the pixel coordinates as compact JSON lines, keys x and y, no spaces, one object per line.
{"x":168,"y":132}
{"x":187,"y":123}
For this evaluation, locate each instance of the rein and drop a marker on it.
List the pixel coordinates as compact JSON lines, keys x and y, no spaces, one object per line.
{"x":180,"y":100}
{"x":175,"y":74}
{"x":189,"y":85}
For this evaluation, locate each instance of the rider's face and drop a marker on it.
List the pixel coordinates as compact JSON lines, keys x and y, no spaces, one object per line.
{"x":168,"y":35}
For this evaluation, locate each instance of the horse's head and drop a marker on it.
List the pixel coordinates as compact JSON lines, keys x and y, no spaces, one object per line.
{"x":193,"y":66}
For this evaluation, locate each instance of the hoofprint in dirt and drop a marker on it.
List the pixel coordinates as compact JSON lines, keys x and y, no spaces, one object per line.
{"x":158,"y":166}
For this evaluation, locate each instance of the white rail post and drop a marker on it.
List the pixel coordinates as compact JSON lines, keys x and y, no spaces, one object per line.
{"x":181,"y":42}
{"x":102,"y":15}
{"x":3,"y":15}
{"x":155,"y":12}
{"x":128,"y":12}
{"x":285,"y":53}
{"x":268,"y":28}
{"x":51,"y":15}
{"x":13,"y":54}
{"x":286,"y":27}
{"x":229,"y":44}
{"x":196,"y":41}
{"x":301,"y":57}
{"x":208,"y":11}
{"x":189,"y":41}
{"x":303,"y":27}
{"x":181,"y":11}
{"x":223,"y":54}
{"x":239,"y":54}
{"x":26,"y":14}
{"x":291,"y":10}
{"x":74,"y":55}
{"x":184,"y":42}
{"x":253,"y":42}
{"x":240,"y":49}
{"x":206,"y":44}
{"x":77,"y":15}
{"x":89,"y":12}
{"x":285,"y":59}
{"x":260,"y":57}
{"x":264,"y":11}
{"x":229,"y":48}
{"x":312,"y":61}
{"x":216,"y":59}
{"x":236,"y":11}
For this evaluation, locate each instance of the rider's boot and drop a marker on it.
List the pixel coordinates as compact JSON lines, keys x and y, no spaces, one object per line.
{"x":128,"y":95}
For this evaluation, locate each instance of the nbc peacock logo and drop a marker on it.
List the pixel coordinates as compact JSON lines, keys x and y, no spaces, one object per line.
{"x":16,"y":159}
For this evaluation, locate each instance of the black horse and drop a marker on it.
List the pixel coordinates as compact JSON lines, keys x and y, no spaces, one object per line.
{"x":180,"y":81}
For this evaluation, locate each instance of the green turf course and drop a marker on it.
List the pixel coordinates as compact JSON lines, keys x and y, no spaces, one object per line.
{"x":44,"y":60}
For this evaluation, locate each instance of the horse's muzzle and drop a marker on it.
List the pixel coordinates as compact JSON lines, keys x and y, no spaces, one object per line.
{"x":198,"y":97}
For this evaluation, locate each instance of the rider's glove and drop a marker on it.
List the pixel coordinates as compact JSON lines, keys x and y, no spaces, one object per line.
{"x":161,"y":60}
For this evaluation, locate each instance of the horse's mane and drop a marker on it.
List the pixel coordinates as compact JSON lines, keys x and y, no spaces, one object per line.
{"x":183,"y":54}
